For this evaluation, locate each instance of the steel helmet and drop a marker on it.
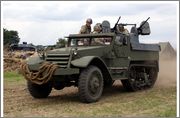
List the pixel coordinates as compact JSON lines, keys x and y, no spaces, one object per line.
{"x":98,"y":27}
{"x":89,"y":20}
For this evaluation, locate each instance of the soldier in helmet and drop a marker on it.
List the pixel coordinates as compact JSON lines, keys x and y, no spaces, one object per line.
{"x":122,"y":29}
{"x":97,"y":28}
{"x":86,"y":29}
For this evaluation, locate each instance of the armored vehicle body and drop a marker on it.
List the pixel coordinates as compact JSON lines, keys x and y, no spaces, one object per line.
{"x":94,"y":61}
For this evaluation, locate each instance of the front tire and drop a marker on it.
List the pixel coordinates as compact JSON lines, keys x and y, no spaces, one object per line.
{"x":90,"y":84}
{"x":39,"y":91}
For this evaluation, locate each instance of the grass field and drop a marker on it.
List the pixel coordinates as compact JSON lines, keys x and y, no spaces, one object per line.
{"x":158,"y":101}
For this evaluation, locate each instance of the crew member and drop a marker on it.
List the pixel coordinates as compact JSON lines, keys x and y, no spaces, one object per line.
{"x":122,"y":29}
{"x":97,"y":28}
{"x":86,"y":29}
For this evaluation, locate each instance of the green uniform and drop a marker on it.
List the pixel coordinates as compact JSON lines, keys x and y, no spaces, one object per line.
{"x":125,"y":31}
{"x":85,"y":29}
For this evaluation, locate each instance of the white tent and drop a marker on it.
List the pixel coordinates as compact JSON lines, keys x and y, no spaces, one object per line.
{"x":167,"y":51}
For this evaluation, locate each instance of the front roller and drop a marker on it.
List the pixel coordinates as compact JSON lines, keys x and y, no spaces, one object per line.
{"x":39,"y":91}
{"x":38,"y":82}
{"x":90,"y":84}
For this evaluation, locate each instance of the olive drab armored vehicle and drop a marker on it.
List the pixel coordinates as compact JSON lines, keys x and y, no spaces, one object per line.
{"x":94,"y":61}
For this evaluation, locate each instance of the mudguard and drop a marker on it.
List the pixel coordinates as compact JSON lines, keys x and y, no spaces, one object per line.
{"x":87,"y":60}
{"x":84,"y":61}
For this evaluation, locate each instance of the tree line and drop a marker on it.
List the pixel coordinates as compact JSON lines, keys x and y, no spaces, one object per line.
{"x":12,"y":37}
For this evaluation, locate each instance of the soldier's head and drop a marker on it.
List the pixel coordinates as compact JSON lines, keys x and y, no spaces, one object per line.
{"x":89,"y":22}
{"x":98,"y":28}
{"x":121,"y":27}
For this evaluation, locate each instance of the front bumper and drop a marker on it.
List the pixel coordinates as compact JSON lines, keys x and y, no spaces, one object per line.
{"x":59,"y":71}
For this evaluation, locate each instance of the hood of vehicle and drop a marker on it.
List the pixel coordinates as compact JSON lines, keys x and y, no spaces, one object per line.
{"x":68,"y":49}
{"x":82,"y":51}
{"x":89,"y":48}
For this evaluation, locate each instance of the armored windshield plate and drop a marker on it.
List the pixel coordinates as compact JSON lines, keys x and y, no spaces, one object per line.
{"x":91,"y":35}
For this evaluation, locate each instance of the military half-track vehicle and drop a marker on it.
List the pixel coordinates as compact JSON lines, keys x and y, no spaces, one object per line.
{"x":92,"y":65}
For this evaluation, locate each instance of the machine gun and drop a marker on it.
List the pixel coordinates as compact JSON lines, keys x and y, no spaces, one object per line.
{"x":139,"y":28}
{"x":114,"y":28}
{"x":125,"y":24}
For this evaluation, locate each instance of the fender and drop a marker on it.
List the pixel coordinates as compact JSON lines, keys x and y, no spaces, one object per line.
{"x":84,"y":61}
{"x":87,"y":60}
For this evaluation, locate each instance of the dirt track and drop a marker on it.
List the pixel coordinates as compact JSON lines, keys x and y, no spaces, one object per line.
{"x":167,"y":74}
{"x":114,"y":102}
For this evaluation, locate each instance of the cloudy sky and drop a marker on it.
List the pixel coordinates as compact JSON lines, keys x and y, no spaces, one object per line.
{"x":43,"y":22}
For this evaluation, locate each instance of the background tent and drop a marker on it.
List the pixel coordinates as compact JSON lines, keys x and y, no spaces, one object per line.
{"x":167,"y":51}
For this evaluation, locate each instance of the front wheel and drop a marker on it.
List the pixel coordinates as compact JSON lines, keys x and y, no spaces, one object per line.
{"x":90,"y":84}
{"x":39,"y":91}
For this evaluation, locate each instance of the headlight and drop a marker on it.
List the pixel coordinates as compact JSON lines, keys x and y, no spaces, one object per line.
{"x":75,"y":52}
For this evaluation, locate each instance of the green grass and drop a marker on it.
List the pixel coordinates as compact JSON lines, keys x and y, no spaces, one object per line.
{"x":155,"y":102}
{"x":13,"y":76}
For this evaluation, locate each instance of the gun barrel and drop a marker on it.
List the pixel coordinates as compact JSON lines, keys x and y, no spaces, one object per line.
{"x":144,"y":22}
{"x":117,"y":22}
{"x":127,"y":24}
{"x":147,"y":19}
{"x":118,"y":19}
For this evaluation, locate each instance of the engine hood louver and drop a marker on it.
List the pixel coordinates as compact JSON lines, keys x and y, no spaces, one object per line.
{"x":60,"y":59}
